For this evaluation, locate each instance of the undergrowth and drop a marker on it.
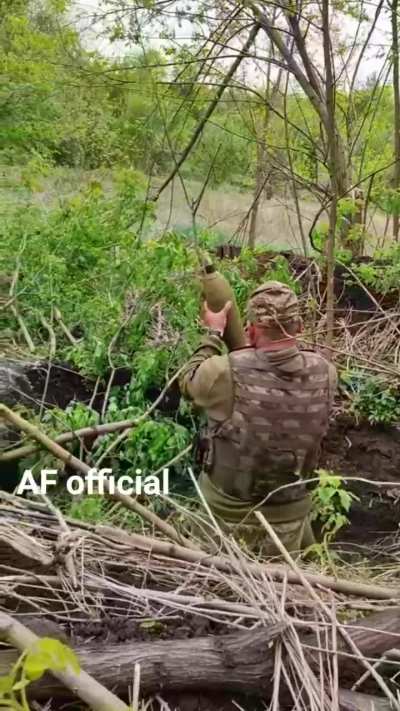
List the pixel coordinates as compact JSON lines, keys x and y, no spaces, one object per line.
{"x":372,"y":398}
{"x":129,"y":302}
{"x":331,"y":504}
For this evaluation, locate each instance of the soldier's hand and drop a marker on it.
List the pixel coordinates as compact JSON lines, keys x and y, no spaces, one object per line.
{"x":216,"y":321}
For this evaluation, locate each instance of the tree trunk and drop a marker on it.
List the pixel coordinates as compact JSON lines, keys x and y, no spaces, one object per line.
{"x":262,"y":178}
{"x":336,"y":174}
{"x":259,"y":185}
{"x":319,"y":94}
{"x":373,"y":636}
{"x":396,"y":116}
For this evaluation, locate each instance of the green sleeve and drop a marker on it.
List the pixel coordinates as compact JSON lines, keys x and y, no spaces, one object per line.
{"x":209,"y":346}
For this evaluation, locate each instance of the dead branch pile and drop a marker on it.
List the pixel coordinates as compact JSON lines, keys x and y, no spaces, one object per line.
{"x":366,"y":332}
{"x":191,"y":620}
{"x":367,"y":324}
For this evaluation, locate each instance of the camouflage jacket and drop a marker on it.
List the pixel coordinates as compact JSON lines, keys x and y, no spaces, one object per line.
{"x":267,"y":415}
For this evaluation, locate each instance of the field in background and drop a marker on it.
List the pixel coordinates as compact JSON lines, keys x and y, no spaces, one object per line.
{"x":223,"y":210}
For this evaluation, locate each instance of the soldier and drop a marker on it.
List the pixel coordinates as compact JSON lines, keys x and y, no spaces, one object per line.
{"x":268,"y":409}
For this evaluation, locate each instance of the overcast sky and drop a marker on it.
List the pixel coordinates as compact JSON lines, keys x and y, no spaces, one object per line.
{"x":372,"y":61}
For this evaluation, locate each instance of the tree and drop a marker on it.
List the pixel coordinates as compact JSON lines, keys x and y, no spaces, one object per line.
{"x":396,"y":112}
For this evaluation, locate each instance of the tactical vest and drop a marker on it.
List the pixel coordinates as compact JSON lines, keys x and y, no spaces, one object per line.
{"x":280,"y":414}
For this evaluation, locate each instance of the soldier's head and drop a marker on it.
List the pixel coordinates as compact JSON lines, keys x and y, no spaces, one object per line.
{"x":273,"y":314}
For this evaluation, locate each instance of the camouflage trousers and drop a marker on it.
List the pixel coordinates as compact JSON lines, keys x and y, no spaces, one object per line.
{"x":290,"y":522}
{"x":295,"y":535}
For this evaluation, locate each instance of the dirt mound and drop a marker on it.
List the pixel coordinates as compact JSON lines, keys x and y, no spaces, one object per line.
{"x":372,"y":453}
{"x":362,"y":450}
{"x":350,"y":295}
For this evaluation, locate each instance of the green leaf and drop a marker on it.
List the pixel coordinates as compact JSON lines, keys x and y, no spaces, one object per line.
{"x":6,"y":684}
{"x":345,"y":499}
{"x":49,"y":654}
{"x":325,"y":494}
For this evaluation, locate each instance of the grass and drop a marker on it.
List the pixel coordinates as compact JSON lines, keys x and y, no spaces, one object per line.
{"x":224,"y":209}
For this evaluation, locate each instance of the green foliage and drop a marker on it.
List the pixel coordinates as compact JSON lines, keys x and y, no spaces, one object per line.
{"x":320,"y":236}
{"x":45,"y":655}
{"x":372,"y":398}
{"x":129,"y":301}
{"x":368,"y":273}
{"x":382,"y":273}
{"x":72,"y":106}
{"x":354,"y":232}
{"x":76,"y":416}
{"x":279,"y":270}
{"x":389,"y":201}
{"x":153,"y":443}
{"x":331,"y":503}
{"x":93,"y":509}
{"x":242,"y":275}
{"x":86,"y":259}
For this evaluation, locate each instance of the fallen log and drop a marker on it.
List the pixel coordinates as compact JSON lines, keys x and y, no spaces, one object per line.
{"x":235,"y":662}
{"x":241,"y":662}
{"x":373,"y":636}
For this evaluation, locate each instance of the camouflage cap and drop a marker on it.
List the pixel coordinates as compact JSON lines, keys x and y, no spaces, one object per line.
{"x":271,"y":304}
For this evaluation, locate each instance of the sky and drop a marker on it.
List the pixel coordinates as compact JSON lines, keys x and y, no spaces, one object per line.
{"x":372,"y":61}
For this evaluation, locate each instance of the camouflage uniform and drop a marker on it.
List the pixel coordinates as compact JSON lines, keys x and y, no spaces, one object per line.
{"x":267,"y":414}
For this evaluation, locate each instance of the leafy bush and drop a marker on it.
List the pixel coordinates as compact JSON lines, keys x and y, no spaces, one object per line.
{"x":279,"y":270}
{"x":129,"y":302}
{"x":87,"y":260}
{"x":114,"y":288}
{"x":331,"y":503}
{"x":372,"y":398}
{"x":383,"y":273}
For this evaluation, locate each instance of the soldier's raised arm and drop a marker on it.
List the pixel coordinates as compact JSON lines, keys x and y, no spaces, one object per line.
{"x":206,"y":378}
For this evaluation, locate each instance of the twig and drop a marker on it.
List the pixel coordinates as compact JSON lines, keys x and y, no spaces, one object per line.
{"x":7,"y":303}
{"x":136,"y":687}
{"x":307,"y":585}
{"x":140,"y":419}
{"x":13,"y":301}
{"x":94,"y":393}
{"x":57,"y":315}
{"x":52,"y":352}
{"x":211,"y":108}
{"x":65,"y":535}
{"x":23,"y":327}
{"x":335,"y":697}
{"x":111,"y":345}
{"x":174,"y":460}
{"x":367,"y":291}
{"x":276,"y":572}
{"x":82,"y":684}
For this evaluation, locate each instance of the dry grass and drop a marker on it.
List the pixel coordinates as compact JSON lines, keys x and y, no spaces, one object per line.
{"x":126,"y":577}
{"x":223,"y":209}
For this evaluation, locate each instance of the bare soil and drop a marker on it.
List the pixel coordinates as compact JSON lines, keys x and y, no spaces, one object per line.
{"x":373,"y":453}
